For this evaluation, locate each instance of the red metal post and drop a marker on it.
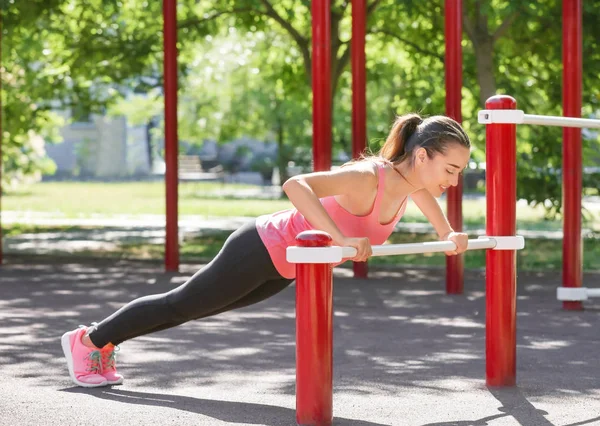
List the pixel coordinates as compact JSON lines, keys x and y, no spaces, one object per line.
{"x":572,"y":166}
{"x":321,"y":84}
{"x":171,"y":143}
{"x":501,"y":277}
{"x":1,"y":139}
{"x":314,"y":336}
{"x":453,"y":65}
{"x":359,"y":95}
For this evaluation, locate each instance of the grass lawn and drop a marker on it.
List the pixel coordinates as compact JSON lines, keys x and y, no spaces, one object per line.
{"x":83,"y":200}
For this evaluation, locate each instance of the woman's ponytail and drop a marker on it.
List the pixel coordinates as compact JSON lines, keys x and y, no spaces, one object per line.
{"x":411,"y":132}
{"x":395,"y":147}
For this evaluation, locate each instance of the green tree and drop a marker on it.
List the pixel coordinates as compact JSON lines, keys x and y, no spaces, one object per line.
{"x":247,"y":86}
{"x":518,"y":51}
{"x":508,"y":48}
{"x":60,"y":55}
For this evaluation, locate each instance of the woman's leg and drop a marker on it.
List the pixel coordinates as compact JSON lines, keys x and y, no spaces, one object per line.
{"x":263,"y":292}
{"x":242,"y":265}
{"x":266,"y":290}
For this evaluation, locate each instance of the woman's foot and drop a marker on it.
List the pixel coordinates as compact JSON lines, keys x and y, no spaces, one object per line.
{"x":109,"y":365}
{"x":84,"y":363}
{"x":109,"y":361}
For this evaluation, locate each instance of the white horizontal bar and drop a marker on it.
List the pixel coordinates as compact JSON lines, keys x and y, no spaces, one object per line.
{"x":576,"y":294}
{"x":501,"y":116}
{"x":337,"y":254}
{"x":515,"y":116}
{"x":561,"y":121}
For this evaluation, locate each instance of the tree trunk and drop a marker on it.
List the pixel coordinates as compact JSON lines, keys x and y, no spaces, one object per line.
{"x":149,"y":127}
{"x":477,"y":29}
{"x":484,"y":62}
{"x":281,"y":158}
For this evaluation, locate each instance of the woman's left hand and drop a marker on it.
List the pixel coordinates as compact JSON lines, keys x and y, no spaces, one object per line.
{"x":460,"y":239}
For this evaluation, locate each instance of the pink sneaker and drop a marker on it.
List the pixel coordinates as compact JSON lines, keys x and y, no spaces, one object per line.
{"x":85,"y":364}
{"x":109,"y":364}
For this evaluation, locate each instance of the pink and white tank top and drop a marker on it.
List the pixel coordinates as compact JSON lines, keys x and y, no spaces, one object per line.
{"x":278,"y":230}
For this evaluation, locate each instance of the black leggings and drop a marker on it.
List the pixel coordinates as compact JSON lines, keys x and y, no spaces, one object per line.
{"x":240,"y":275}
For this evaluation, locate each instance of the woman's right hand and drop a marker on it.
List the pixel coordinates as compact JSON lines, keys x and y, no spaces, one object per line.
{"x":362,"y":246}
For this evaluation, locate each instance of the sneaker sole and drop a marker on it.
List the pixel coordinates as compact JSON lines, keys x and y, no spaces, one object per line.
{"x":116,"y":382}
{"x":65,"y":342}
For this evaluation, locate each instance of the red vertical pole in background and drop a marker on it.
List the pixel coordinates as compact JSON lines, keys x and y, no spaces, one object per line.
{"x":572,"y":166}
{"x":453,"y":65}
{"x":1,"y":139}
{"x":501,"y":276}
{"x":314,"y":336}
{"x":359,"y":95}
{"x":171,"y":143}
{"x":321,"y":84}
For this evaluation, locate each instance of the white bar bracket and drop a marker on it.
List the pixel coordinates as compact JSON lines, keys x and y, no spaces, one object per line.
{"x":576,"y":294}
{"x":500,"y":116}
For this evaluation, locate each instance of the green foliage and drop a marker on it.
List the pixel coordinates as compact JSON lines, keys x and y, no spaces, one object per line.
{"x":245,"y":70}
{"x":67,"y":55}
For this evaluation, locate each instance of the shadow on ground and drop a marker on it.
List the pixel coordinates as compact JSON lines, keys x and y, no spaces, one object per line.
{"x":395,"y":334}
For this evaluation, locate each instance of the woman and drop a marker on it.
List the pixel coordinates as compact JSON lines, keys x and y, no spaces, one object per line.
{"x":358,"y":204}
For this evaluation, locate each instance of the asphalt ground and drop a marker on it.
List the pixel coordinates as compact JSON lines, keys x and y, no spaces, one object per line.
{"x":405,"y":353}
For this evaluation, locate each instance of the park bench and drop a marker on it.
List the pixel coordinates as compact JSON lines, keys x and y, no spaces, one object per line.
{"x":190,"y":170}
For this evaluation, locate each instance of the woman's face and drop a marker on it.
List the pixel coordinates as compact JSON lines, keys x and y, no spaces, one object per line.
{"x":442,"y":170}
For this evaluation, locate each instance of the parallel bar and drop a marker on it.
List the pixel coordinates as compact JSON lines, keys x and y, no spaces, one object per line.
{"x":336,"y":254}
{"x":1,"y":139}
{"x":453,"y":81}
{"x":561,"y":121}
{"x":416,"y":248}
{"x":171,"y":142}
{"x":321,"y":84}
{"x":519,"y":117}
{"x":500,"y":276}
{"x":314,"y":337}
{"x":571,"y":148}
{"x":359,"y":95}
{"x":359,"y":78}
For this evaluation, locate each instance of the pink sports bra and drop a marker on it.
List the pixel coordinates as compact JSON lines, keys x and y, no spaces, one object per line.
{"x":278,"y":230}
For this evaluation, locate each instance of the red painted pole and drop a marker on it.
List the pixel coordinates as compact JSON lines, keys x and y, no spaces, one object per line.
{"x":572,"y":166}
{"x":171,"y":143}
{"x":321,"y":84}
{"x":1,"y":139}
{"x":453,"y":64}
{"x":314,"y":336}
{"x":501,"y":277}
{"x":359,"y":96}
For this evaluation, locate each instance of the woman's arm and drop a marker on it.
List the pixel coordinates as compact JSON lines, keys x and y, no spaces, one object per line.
{"x":305,"y":190}
{"x":432,"y":211}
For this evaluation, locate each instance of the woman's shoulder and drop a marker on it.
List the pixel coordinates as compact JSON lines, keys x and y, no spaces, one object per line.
{"x":369,"y":165}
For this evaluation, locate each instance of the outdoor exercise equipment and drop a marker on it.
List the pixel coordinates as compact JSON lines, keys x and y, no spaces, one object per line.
{"x":314,"y":257}
{"x":571,"y":293}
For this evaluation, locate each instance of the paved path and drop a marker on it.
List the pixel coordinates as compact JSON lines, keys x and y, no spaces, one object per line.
{"x":109,"y":232}
{"x":404,"y":353}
